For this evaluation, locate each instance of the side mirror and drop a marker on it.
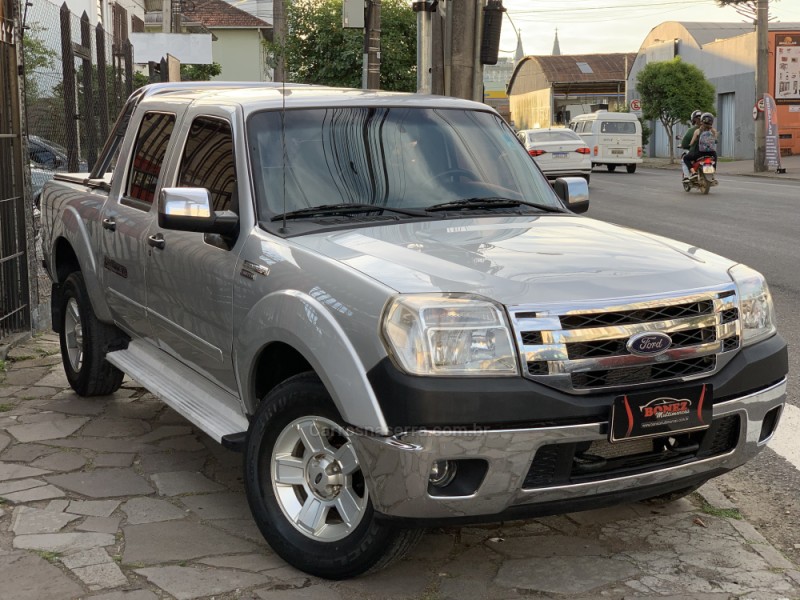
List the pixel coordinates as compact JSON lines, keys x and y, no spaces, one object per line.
{"x":574,"y":193}
{"x":189,"y":209}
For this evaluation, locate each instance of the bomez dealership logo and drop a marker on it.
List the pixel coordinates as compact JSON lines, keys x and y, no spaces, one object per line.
{"x":666,"y":407}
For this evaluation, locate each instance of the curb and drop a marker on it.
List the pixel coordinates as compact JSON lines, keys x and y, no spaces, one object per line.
{"x":771,"y":555}
{"x":8,"y":343}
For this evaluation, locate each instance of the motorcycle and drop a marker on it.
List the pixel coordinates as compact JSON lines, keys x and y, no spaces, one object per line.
{"x":704,"y":177}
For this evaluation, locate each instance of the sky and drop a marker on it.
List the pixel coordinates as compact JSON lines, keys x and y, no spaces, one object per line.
{"x":603,"y":26}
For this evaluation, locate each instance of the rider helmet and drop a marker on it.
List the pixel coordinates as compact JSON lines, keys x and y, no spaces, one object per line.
{"x":695,"y":115}
{"x":707,"y":119}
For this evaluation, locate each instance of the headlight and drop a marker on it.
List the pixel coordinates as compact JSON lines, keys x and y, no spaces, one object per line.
{"x":443,"y":335}
{"x":756,"y":313}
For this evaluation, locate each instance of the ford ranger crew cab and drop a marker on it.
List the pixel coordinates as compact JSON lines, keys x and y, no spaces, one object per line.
{"x":382,"y":302}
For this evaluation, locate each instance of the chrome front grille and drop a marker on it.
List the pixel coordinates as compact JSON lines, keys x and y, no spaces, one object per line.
{"x":582,"y":348}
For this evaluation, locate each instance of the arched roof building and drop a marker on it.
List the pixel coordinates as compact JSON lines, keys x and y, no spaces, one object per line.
{"x":547,"y":90}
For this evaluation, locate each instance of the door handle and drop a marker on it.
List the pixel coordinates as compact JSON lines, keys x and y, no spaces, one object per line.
{"x":157,"y":241}
{"x":110,"y":224}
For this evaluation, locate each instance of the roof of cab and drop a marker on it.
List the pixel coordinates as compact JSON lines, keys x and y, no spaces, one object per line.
{"x":259,"y":96}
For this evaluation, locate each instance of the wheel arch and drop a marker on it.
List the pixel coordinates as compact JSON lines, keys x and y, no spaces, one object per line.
{"x":288,"y":332}
{"x":66,"y":260}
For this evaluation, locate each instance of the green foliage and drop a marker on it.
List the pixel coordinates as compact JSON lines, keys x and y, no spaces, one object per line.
{"x":671,"y":90}
{"x":318,"y":50}
{"x":200,"y":72}
{"x":725,"y":513}
{"x":38,"y":59}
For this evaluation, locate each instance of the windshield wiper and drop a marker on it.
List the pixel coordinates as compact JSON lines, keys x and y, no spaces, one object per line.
{"x":489,"y":202}
{"x":328,"y":209}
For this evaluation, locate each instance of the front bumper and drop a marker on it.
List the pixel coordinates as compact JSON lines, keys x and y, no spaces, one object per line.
{"x":397,"y":468}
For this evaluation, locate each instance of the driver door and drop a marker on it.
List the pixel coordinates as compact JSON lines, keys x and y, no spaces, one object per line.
{"x":190,"y":275}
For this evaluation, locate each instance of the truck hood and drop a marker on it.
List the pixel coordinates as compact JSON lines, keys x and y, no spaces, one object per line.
{"x":523,"y":260}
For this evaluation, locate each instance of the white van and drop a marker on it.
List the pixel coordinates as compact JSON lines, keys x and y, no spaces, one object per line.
{"x":614,"y":138}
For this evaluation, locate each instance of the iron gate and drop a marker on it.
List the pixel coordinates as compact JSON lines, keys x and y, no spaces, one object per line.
{"x":14,"y":296}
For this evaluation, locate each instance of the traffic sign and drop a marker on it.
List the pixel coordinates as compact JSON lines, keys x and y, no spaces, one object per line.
{"x":760,"y":104}
{"x":755,"y":113}
{"x":636,"y":104}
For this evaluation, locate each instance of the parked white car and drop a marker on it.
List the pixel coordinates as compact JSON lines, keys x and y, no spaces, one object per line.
{"x":558,"y":151}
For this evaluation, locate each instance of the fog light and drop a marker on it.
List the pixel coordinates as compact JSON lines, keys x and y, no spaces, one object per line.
{"x":442,"y":473}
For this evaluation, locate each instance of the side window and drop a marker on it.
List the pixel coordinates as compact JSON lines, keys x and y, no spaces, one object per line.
{"x":148,"y":155}
{"x":208,"y":162}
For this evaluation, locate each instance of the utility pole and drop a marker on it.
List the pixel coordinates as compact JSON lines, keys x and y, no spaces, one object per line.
{"x":279,"y":33}
{"x":371,"y":74}
{"x":425,"y":10}
{"x":762,"y":78}
{"x":466,"y":78}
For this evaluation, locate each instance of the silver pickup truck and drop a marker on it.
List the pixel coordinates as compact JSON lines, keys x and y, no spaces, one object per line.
{"x":380,"y":300}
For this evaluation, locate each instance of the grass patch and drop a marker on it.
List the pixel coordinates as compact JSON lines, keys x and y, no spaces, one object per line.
{"x":3,"y":501}
{"x":6,"y":407}
{"x":3,"y":365}
{"x":726,"y":513}
{"x":49,"y":556}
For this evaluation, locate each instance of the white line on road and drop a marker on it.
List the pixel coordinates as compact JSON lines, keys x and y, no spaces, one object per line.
{"x":784,"y":442}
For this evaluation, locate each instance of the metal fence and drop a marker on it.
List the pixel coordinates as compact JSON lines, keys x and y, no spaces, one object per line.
{"x":77,"y":77}
{"x":14,"y":291}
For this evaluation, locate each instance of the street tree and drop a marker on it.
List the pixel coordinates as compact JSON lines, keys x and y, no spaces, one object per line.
{"x":38,"y":59}
{"x":746,"y":8}
{"x":319,"y":50}
{"x":670,"y":91}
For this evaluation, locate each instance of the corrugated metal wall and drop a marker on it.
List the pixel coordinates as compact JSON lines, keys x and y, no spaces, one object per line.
{"x":726,"y":125}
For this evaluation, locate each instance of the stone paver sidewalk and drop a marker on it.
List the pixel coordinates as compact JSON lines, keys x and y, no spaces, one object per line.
{"x":119,"y":498}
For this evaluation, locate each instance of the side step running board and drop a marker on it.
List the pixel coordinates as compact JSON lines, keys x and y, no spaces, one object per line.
{"x":207,"y":406}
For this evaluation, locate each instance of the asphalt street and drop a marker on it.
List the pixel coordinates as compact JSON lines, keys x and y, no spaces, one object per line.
{"x":754,"y":220}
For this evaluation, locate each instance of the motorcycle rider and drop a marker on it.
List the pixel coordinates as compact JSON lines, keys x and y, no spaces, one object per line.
{"x":687,"y":139}
{"x":704,"y":142}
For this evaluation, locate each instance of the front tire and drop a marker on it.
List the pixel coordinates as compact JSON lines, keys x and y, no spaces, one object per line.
{"x":306,"y":489}
{"x":611,"y":168}
{"x":85,"y":341}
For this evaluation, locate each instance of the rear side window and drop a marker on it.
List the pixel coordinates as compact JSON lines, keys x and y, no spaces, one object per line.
{"x":618,"y":127}
{"x":148,"y":156}
{"x":208,"y":161}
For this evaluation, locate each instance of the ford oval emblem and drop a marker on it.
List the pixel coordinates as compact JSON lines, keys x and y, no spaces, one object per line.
{"x":649,"y":343}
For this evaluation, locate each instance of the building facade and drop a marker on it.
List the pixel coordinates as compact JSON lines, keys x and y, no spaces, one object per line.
{"x":550,"y":90}
{"x":726,"y":53}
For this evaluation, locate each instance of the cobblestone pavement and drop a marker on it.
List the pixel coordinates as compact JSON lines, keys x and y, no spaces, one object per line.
{"x":120,"y":498}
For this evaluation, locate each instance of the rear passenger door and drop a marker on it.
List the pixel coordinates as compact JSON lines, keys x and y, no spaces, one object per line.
{"x":127,"y":217}
{"x":190,"y":278}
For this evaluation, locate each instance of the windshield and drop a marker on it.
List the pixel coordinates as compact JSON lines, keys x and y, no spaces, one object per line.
{"x":618,"y":127}
{"x":406,"y":158}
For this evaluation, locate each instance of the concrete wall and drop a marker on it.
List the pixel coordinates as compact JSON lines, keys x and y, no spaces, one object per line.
{"x":531,"y":109}
{"x":240,"y":54}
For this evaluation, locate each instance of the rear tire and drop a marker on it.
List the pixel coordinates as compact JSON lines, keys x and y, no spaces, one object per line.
{"x":630,"y":168}
{"x":705,"y":184}
{"x":687,"y":187}
{"x":306,"y":489}
{"x":611,"y":168}
{"x":587,"y":178}
{"x":85,"y":340}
